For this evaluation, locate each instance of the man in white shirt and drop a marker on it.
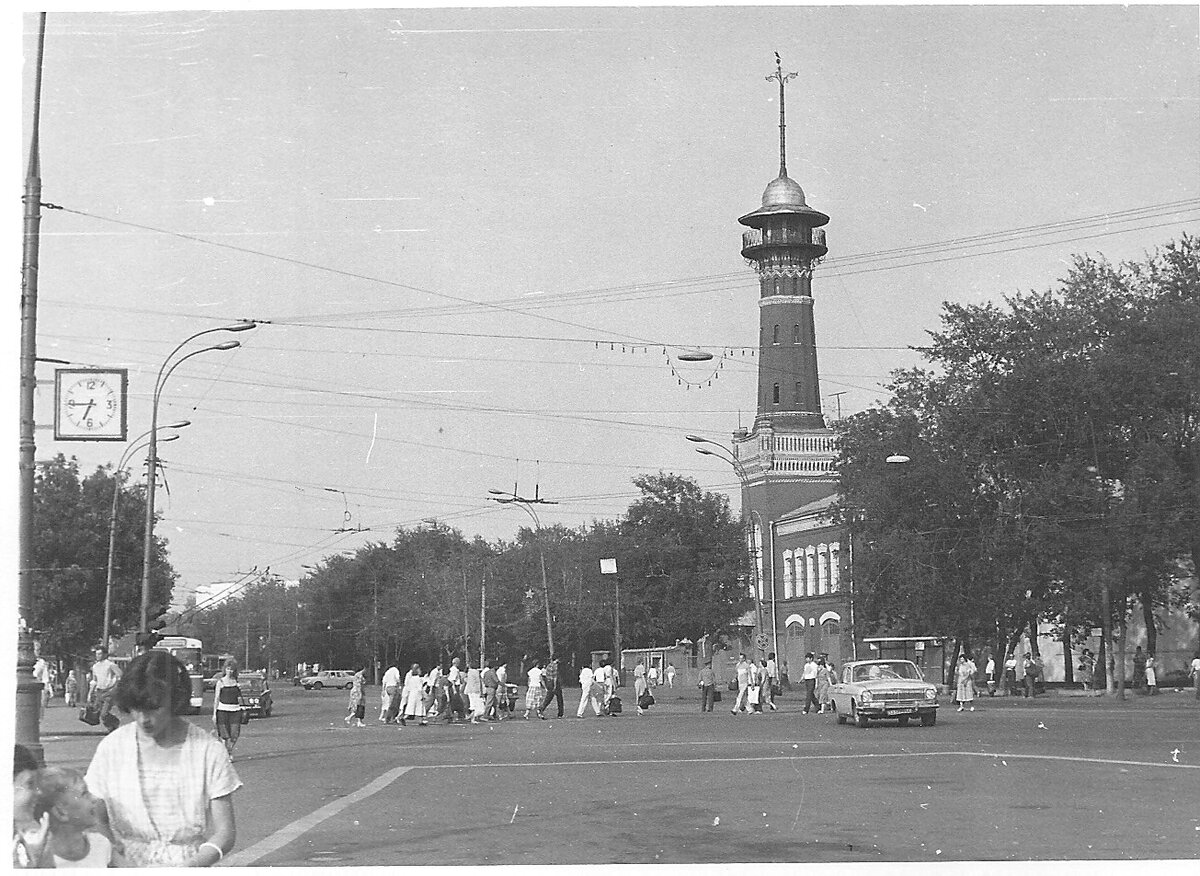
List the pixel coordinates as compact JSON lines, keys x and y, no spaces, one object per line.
{"x":810,"y":682}
{"x":587,"y":694}
{"x":1196,"y":674}
{"x":743,"y":683}
{"x":391,"y":685}
{"x":105,"y":675}
{"x":41,"y":672}
{"x":652,"y":675}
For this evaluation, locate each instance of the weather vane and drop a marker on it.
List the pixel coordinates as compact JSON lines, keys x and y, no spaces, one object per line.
{"x":783,"y":79}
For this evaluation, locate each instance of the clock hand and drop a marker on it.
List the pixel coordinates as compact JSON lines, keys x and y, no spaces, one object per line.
{"x":91,"y":404}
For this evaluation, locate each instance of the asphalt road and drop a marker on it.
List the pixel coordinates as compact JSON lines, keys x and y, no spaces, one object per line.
{"x":1052,"y":779}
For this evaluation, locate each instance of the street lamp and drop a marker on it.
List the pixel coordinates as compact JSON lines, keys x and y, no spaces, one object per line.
{"x":526,"y":504}
{"x":164,"y":372}
{"x":727,"y":456}
{"x":118,"y":473}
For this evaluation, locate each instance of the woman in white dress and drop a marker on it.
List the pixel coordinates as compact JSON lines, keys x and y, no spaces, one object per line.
{"x":474,"y":691}
{"x":964,"y":678}
{"x":412,"y":696}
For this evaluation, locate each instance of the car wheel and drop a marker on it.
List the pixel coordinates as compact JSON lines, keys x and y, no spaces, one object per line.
{"x":904,"y":721}
{"x":841,"y":716}
{"x":267,"y":713}
{"x":317,"y":685}
{"x":860,"y":720}
{"x":928,"y":719}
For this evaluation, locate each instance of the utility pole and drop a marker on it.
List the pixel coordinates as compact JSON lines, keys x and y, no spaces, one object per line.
{"x":483,"y":621}
{"x":504,"y":498}
{"x":27,"y":729}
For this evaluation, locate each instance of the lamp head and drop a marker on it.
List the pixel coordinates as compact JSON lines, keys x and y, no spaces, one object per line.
{"x":227,"y":345}
{"x":244,"y":326}
{"x":897,"y":459}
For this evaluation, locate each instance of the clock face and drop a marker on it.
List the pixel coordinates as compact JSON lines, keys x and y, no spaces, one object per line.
{"x":91,"y":405}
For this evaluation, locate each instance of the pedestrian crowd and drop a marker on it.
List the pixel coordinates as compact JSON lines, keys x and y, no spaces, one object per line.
{"x":449,"y":694}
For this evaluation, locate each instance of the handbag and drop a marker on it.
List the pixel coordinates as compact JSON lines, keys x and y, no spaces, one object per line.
{"x":733,"y":685}
{"x":716,"y":696}
{"x":89,"y":714}
{"x":245,"y":716}
{"x":614,"y":706}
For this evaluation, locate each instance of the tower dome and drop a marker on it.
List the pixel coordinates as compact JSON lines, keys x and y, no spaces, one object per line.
{"x":783,"y":192}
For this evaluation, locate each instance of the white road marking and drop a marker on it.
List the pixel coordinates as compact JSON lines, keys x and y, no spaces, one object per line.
{"x":287,"y":834}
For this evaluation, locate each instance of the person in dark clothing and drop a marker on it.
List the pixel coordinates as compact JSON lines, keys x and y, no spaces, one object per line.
{"x":552,"y":682}
{"x":491,"y":681}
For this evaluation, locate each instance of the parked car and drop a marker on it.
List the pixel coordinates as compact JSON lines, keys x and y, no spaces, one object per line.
{"x":873,"y":690}
{"x":343,"y":678}
{"x":256,"y":694}
{"x":211,"y":682}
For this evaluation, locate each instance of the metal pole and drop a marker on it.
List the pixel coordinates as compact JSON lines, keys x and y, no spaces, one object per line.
{"x":483,"y":621}
{"x":27,"y":731}
{"x":774,"y":613}
{"x":546,"y":601}
{"x":617,"y":619}
{"x":152,"y":454}
{"x":112,"y":550}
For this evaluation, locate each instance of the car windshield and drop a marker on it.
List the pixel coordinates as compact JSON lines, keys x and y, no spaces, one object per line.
{"x":257,"y":685}
{"x":887,"y":670}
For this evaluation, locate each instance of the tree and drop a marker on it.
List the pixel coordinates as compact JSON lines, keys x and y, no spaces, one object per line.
{"x":685,"y":560}
{"x":71,"y":533}
{"x":1054,"y":458}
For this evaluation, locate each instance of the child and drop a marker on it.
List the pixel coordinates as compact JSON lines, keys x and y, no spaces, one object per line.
{"x":74,"y":840}
{"x":29,"y":831}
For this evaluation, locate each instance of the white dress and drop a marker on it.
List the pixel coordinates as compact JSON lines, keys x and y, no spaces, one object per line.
{"x":159,"y":810}
{"x":412,"y":697}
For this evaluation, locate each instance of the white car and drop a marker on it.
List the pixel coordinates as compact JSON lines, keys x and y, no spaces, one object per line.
{"x":873,"y":690}
{"x":342,"y":678}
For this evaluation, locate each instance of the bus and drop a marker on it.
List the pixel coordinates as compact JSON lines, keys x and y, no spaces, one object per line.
{"x":187,"y":651}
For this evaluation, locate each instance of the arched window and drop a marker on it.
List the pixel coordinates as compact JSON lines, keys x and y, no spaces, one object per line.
{"x":796,"y":334}
{"x":835,"y":562}
{"x":775,"y":394}
{"x":810,"y":560}
{"x":823,"y":571}
{"x":801,"y":575}
{"x":789,"y":575}
{"x":775,"y":335}
{"x":799,"y":392}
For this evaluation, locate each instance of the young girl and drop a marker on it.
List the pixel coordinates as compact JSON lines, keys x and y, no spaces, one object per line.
{"x":29,"y":830}
{"x":73,"y":840}
{"x":227,"y":706}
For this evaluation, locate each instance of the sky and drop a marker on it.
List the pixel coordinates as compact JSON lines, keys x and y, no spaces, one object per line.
{"x":478,"y":240}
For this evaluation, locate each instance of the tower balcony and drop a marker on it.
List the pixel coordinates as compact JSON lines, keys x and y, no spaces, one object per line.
{"x":811,"y":241}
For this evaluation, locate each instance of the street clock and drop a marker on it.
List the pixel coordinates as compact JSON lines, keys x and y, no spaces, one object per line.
{"x":89,"y":404}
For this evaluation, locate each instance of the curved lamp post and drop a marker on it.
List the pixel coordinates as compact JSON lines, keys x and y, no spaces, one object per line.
{"x":726,"y":455}
{"x":133,"y":446}
{"x":526,"y":505}
{"x":164,"y":372}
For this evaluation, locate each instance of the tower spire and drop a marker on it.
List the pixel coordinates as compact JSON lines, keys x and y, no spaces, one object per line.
{"x":783,"y":79}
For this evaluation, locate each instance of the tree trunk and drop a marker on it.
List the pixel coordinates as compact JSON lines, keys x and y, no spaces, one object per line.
{"x":951,"y":676}
{"x":1068,"y":659}
{"x":1102,"y":666}
{"x":1121,"y":651}
{"x":1148,"y":620}
{"x":1106,"y":641}
{"x":1033,"y":637}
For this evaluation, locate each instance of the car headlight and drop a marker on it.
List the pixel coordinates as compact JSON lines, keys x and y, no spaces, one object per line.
{"x":866,"y":696}
{"x":931,"y":693}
